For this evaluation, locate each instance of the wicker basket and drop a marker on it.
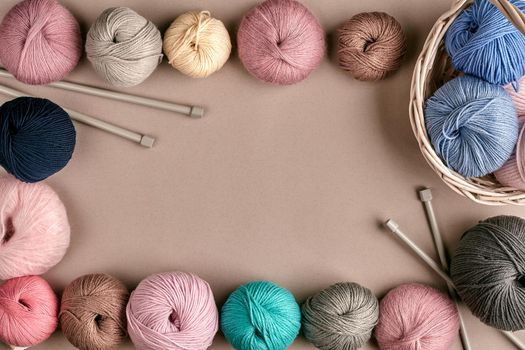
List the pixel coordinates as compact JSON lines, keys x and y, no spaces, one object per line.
{"x":432,"y":70}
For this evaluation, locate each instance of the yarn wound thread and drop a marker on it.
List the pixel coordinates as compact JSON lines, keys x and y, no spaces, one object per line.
{"x":34,"y":229}
{"x":197,"y":44}
{"x":482,"y":42}
{"x":280,"y":42}
{"x":472,"y":125}
{"x":124,"y":47}
{"x":512,"y":173}
{"x":28,"y":310}
{"x":93,"y":312}
{"x":261,"y":315}
{"x":173,"y":310}
{"x":37,"y":138}
{"x":371,"y":45}
{"x":488,"y":269}
{"x":40,"y":41}
{"x":341,"y":317}
{"x":415,"y":316}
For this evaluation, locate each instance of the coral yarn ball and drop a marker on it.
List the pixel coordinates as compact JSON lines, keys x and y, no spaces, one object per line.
{"x":34,"y":229}
{"x":415,"y":316}
{"x":40,"y":41}
{"x":280,"y":42}
{"x":28,"y":311}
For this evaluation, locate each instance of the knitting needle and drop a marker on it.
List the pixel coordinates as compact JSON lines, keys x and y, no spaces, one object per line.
{"x":394,"y":228}
{"x":143,"y":140}
{"x":191,"y":111}
{"x":425,"y":195}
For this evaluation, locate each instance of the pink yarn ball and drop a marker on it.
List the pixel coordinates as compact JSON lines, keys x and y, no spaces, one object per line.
{"x":415,"y":316}
{"x":173,"y":310}
{"x":518,"y":97}
{"x":40,"y":41}
{"x":280,"y":42}
{"x":34,"y":229}
{"x":28,"y":311}
{"x":512,"y":173}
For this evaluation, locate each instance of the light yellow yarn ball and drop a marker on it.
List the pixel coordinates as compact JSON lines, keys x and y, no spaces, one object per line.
{"x":197,"y":44}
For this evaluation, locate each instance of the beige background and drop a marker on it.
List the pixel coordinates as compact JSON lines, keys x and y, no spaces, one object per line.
{"x":281,"y":183}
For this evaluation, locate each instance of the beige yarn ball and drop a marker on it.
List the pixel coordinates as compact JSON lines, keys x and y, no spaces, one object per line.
{"x":197,"y":44}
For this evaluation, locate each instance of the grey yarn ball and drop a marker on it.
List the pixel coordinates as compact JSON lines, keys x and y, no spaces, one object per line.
{"x":488,"y":269}
{"x":124,"y":47}
{"x":341,"y":317}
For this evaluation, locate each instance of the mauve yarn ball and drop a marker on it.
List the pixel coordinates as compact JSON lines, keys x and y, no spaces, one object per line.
{"x":472,"y":124}
{"x":93,"y":312}
{"x":28,"y":311}
{"x":124,"y":47}
{"x":37,"y":138}
{"x":371,"y":45}
{"x":40,"y":41}
{"x":261,"y":315}
{"x":488,"y":269}
{"x":34,"y":229}
{"x":512,"y":173}
{"x":172,"y":311}
{"x":415,"y":316}
{"x":280,"y":42}
{"x":341,"y":317}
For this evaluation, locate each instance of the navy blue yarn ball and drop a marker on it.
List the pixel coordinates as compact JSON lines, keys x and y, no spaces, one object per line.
{"x":37,"y":138}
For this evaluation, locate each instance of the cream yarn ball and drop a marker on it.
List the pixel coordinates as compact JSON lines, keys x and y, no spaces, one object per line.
{"x":197,"y":44}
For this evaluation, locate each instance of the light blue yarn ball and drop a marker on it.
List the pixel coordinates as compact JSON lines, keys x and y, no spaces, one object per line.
{"x":483,"y":43}
{"x":472,"y":124}
{"x":261,"y":315}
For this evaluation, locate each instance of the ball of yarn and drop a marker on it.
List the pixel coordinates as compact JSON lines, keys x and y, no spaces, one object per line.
{"x":174,"y":310}
{"x":40,"y":41}
{"x":472,"y":125}
{"x":34,"y":229}
{"x":280,"y":42}
{"x":482,"y":42}
{"x":93,"y":312}
{"x":341,"y":317}
{"x":197,"y":44}
{"x":260,"y":315}
{"x":415,"y":316}
{"x":488,"y":269}
{"x":516,"y":91}
{"x":28,"y":310}
{"x":371,"y":45}
{"x":512,"y":173}
{"x":37,"y":138}
{"x":124,"y":47}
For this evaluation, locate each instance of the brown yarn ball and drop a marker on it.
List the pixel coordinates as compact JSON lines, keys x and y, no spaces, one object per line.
{"x":93,"y":312}
{"x":371,"y":45}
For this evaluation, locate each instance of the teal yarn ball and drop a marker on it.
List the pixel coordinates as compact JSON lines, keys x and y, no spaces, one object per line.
{"x":261,"y":315}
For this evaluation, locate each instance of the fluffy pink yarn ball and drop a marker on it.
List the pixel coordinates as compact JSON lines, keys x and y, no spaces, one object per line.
{"x":34,"y":229}
{"x":173,"y":310}
{"x":28,"y":311}
{"x":40,"y":41}
{"x":512,"y":173}
{"x":415,"y":316}
{"x":280,"y":42}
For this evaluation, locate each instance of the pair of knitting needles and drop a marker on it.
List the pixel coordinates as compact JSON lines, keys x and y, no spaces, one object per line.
{"x":425,"y":196}
{"x":143,"y":140}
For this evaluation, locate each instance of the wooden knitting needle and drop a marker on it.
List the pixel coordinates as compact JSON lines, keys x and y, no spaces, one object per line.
{"x":394,"y":228}
{"x":143,"y":140}
{"x":190,"y":111}
{"x":425,"y":196}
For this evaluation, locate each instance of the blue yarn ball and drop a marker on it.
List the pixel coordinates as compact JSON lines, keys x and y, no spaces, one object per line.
{"x":482,"y":42}
{"x":37,"y":138}
{"x":472,"y":124}
{"x":261,"y":315}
